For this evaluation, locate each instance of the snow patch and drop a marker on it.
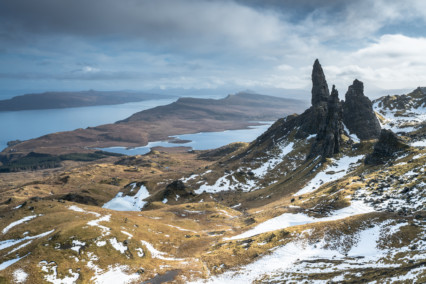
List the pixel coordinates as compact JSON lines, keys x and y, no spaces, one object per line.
{"x":289,"y":260}
{"x":421,"y":143}
{"x":77,"y":245}
{"x":78,"y":209}
{"x":20,"y":276}
{"x":9,"y":243}
{"x":19,"y":247}
{"x":52,"y":274}
{"x":336,"y":170}
{"x":115,"y":275}
{"x":95,"y":223}
{"x":8,"y":263}
{"x":194,"y":176}
{"x":128,"y":203}
{"x":16,"y":223}
{"x":140,"y":252}
{"x":351,"y":135}
{"x":128,"y":234}
{"x":274,"y":161}
{"x":118,"y":246}
{"x":158,"y":254}
{"x":290,"y":219}
{"x":182,"y":229}
{"x":101,"y":243}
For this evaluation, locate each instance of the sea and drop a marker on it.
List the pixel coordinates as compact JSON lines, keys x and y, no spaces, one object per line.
{"x":28,"y":124}
{"x":200,"y":141}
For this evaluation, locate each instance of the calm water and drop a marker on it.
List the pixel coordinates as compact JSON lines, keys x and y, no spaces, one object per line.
{"x":200,"y":141}
{"x":29,"y":124}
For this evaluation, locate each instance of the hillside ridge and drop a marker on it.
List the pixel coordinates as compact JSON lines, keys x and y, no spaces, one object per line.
{"x":58,"y":100}
{"x":259,"y":212}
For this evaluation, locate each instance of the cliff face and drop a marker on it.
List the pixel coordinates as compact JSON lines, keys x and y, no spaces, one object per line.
{"x":358,"y":114}
{"x":330,"y":129}
{"x":320,"y":92}
{"x":327,"y":115}
{"x":325,"y":119}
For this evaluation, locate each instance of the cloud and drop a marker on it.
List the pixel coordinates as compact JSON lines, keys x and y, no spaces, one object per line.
{"x":168,"y":23}
{"x":188,"y":43}
{"x":392,"y":62}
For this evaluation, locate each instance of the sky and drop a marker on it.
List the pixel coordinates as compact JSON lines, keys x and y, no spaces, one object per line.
{"x":266,"y":46}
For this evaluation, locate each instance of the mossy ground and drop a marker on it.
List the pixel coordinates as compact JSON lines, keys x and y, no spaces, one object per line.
{"x":186,"y":228}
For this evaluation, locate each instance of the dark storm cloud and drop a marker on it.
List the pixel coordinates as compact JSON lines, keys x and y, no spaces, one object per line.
{"x":152,"y":20}
{"x":193,"y":24}
{"x":190,"y":42}
{"x":160,"y":18}
{"x":298,"y":8}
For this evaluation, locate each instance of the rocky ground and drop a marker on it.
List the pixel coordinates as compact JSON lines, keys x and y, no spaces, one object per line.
{"x":313,"y":200}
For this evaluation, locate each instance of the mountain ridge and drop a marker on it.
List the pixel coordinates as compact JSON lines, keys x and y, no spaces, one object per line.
{"x":157,"y":124}
{"x":58,"y":100}
{"x":260,"y":212}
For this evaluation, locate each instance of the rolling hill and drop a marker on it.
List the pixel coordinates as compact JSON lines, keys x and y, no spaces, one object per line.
{"x":312,"y":200}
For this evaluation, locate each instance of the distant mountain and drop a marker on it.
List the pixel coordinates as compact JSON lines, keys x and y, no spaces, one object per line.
{"x":239,"y":106}
{"x":52,"y":100}
{"x":186,"y":115}
{"x":327,"y":196}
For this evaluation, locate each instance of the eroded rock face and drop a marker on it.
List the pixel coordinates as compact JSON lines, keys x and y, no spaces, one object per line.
{"x":320,"y":92}
{"x":177,"y":187}
{"x":325,"y":118}
{"x":358,"y":114}
{"x":313,"y":119}
{"x":328,"y":140}
{"x":385,"y":148}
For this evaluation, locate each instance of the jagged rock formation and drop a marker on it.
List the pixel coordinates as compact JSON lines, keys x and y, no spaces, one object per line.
{"x":407,"y":102}
{"x":358,"y":114}
{"x":330,"y":129}
{"x":320,"y":92}
{"x":325,"y":119}
{"x":385,"y":148}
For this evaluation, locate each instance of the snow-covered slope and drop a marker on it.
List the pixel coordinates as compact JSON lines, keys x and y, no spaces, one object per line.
{"x":264,"y":212}
{"x":404,"y":114}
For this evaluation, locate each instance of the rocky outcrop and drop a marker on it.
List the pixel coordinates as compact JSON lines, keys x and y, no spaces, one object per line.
{"x":314,"y":118}
{"x":177,"y":187}
{"x":358,"y":114}
{"x":385,"y":148}
{"x":320,"y":92}
{"x":413,"y":100}
{"x":325,"y":119}
{"x":328,"y":138}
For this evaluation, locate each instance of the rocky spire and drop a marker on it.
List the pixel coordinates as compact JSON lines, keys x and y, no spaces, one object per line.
{"x":328,"y":139}
{"x":358,"y":114}
{"x":320,"y":92}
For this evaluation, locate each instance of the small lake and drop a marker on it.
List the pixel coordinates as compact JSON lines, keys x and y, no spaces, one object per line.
{"x":200,"y":141}
{"x":27,"y":124}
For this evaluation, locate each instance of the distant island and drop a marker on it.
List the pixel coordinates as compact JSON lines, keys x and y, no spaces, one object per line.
{"x":55,"y":100}
{"x":184,"y":116}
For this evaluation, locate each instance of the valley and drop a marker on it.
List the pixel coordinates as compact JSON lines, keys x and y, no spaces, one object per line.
{"x":335,"y":193}
{"x":186,"y":115}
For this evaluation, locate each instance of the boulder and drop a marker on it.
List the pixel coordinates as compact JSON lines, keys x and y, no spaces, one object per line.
{"x":389,"y":144}
{"x":358,"y":113}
